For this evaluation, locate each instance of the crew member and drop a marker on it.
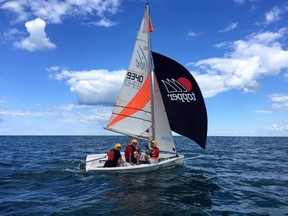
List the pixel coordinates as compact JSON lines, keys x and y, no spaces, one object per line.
{"x":152,"y":153}
{"x":114,"y":157}
{"x":130,"y":155}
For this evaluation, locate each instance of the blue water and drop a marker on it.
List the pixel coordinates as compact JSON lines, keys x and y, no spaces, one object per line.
{"x":238,"y":176}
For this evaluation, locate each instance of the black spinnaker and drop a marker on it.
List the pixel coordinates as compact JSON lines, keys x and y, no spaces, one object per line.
{"x":182,"y":98}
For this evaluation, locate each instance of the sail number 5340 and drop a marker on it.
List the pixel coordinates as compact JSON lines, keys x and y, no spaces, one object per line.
{"x":133,"y":76}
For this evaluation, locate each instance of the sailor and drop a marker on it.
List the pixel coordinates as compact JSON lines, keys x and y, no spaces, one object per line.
{"x":152,"y":153}
{"x":114,"y":157}
{"x":130,"y":155}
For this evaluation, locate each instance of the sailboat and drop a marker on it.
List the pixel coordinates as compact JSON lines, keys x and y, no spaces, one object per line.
{"x":153,"y":103}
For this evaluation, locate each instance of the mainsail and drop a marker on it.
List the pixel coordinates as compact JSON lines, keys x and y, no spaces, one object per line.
{"x":132,"y":112}
{"x":182,"y":98}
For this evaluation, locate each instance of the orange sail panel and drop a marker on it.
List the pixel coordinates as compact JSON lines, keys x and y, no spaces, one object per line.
{"x":137,"y":103}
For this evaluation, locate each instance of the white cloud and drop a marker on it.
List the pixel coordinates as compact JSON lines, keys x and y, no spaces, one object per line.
{"x":230,"y":27}
{"x":67,"y":119}
{"x":37,"y":39}
{"x":103,"y":22}
{"x":16,"y":113}
{"x":11,"y":34}
{"x":274,"y":14}
{"x":223,"y":44}
{"x":91,"y":87}
{"x":191,"y":34}
{"x":53,"y":11}
{"x":84,"y":114}
{"x":16,"y":7}
{"x":277,"y":101}
{"x":280,"y":101}
{"x":281,"y":127}
{"x":263,"y":111}
{"x":239,"y":1}
{"x":268,"y":37}
{"x":260,"y":55}
{"x":244,"y":1}
{"x":2,"y":101}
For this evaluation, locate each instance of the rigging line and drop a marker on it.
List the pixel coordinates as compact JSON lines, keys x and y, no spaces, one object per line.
{"x":142,"y":40}
{"x":145,"y":131}
{"x":128,"y":134}
{"x":133,"y":108}
{"x":131,"y":117}
{"x":134,"y":71}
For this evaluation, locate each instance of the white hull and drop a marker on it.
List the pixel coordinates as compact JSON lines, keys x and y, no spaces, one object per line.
{"x":95,"y":162}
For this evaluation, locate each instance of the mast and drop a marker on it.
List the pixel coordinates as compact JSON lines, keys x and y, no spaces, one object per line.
{"x":151,"y":73}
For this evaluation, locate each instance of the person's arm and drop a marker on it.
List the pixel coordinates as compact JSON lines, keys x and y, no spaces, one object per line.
{"x":130,"y":155}
{"x":138,"y":148}
{"x":121,"y":161}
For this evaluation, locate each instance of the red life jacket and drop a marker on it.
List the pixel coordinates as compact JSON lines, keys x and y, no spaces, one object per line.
{"x":155,"y":153}
{"x":129,"y":149}
{"x":111,"y":155}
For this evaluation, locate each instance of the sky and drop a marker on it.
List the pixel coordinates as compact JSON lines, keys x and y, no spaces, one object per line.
{"x":62,"y":63}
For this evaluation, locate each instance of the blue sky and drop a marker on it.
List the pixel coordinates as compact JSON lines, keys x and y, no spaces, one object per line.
{"x":63,"y":62}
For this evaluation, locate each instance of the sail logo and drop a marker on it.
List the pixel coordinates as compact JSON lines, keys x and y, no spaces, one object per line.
{"x":179,"y":90}
{"x":141,"y":61}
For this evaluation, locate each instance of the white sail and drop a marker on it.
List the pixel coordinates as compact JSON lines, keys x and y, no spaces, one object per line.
{"x":163,"y":134}
{"x":132,"y":112}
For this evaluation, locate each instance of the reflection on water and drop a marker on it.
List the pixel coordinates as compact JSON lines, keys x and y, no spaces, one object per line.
{"x":174,"y":190}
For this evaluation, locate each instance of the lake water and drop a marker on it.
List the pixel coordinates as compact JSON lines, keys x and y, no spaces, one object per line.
{"x":238,"y":176}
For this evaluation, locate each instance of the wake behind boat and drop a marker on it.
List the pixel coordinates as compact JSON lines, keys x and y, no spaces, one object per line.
{"x":152,"y":103}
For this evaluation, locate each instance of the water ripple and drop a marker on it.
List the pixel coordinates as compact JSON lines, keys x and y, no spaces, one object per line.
{"x":237,"y":176}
